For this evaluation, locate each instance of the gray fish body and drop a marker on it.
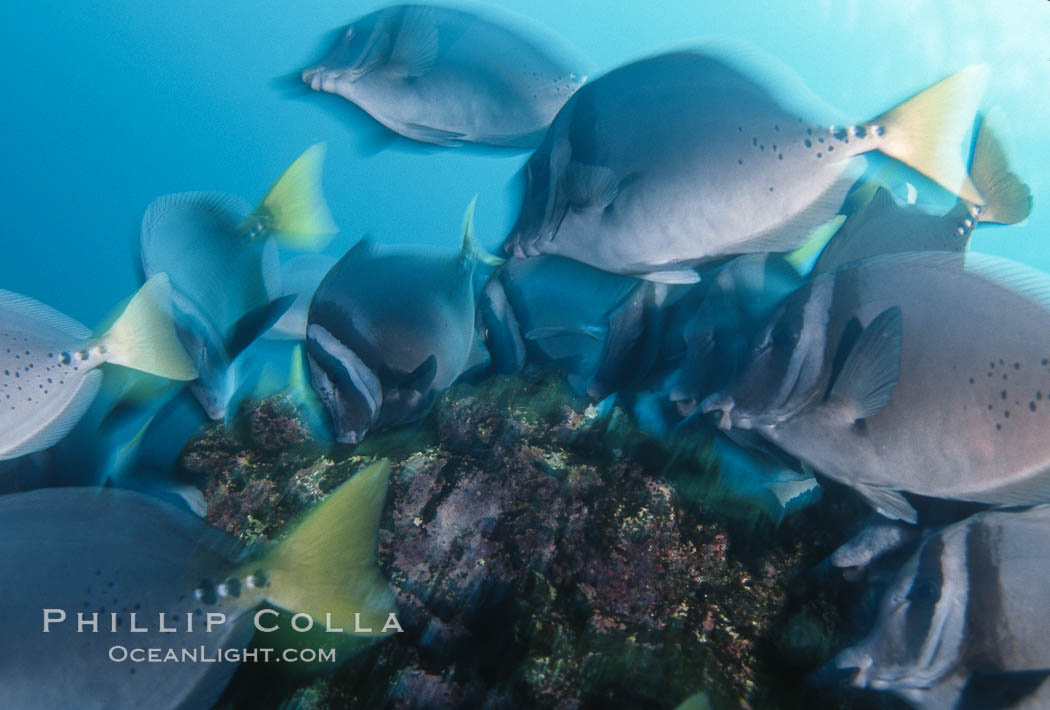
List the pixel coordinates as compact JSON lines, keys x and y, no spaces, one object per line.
{"x":47,"y":374}
{"x":737,"y":300}
{"x":386,"y":333}
{"x":972,"y":598}
{"x":109,"y":551}
{"x":217,"y":276}
{"x":952,"y":406}
{"x":562,"y":307}
{"x":883,"y":226}
{"x":446,"y":76}
{"x":678,"y":160}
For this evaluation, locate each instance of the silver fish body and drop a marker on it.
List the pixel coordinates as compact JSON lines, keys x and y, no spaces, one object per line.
{"x":110,"y":553}
{"x":682,"y":159}
{"x":217,"y":275}
{"x":448,"y":76}
{"x":970,"y":599}
{"x":389,"y":330}
{"x":908,"y":373}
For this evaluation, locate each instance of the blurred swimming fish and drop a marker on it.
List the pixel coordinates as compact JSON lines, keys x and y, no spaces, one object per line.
{"x":449,"y":76}
{"x":682,"y":159}
{"x":300,"y":277}
{"x":390,"y":329}
{"x":551,"y":310}
{"x":117,"y":560}
{"x":970,"y":601}
{"x":908,"y":373}
{"x":221,"y":256}
{"x":49,"y":362}
{"x":884,"y":226}
{"x":738,"y":299}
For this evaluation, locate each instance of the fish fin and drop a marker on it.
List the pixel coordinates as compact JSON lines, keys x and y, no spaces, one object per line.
{"x":872,"y":367}
{"x":926,"y":132}
{"x":471,"y":250}
{"x":270,"y":268}
{"x":327,"y":563}
{"x":1035,"y":489}
{"x":143,"y":336}
{"x":590,"y":186}
{"x":35,"y":310}
{"x":816,"y":242}
{"x":1007,"y":200}
{"x":364,"y":248}
{"x":57,"y":429}
{"x":432,"y":134}
{"x":295,"y":207}
{"x":594,"y":332}
{"x":672,"y":276}
{"x":797,"y":229}
{"x":420,"y":378}
{"x":254,"y":323}
{"x":416,"y":47}
{"x":889,"y":503}
{"x":1029,"y":282}
{"x":795,"y":494}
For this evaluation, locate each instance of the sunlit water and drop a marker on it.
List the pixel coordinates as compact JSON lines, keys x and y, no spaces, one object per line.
{"x":110,"y":104}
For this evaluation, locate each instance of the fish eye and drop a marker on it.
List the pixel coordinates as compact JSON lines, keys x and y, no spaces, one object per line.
{"x":923,"y":591}
{"x":784,"y":334}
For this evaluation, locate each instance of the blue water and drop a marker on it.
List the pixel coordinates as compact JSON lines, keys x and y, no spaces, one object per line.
{"x":110,"y":104}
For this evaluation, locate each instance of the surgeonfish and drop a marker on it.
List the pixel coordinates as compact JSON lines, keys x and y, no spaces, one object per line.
{"x":390,"y":329}
{"x":300,"y":277}
{"x":735,"y":301}
{"x":550,"y":310}
{"x":965,"y":614}
{"x":908,"y":373}
{"x":93,"y":565}
{"x":49,"y":362}
{"x":884,"y":226}
{"x":683,"y":159}
{"x":221,"y":256}
{"x":449,"y":76}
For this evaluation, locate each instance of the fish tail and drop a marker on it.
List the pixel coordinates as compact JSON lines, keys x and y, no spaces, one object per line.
{"x":472,"y":251}
{"x":327,"y":564}
{"x":143,"y":336}
{"x":1007,"y":200}
{"x":927,"y":131}
{"x":295,"y":208}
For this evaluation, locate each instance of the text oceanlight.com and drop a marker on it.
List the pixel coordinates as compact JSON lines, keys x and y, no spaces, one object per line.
{"x":123,"y":654}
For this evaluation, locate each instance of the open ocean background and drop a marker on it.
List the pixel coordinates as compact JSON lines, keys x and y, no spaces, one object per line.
{"x":108,"y":104}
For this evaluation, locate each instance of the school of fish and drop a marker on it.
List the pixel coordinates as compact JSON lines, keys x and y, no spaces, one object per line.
{"x":699,"y":240}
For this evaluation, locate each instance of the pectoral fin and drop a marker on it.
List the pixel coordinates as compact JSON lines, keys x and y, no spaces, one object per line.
{"x":871,"y":370}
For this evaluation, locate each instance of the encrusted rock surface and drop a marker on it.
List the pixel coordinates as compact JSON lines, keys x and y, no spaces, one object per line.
{"x":543,"y":556}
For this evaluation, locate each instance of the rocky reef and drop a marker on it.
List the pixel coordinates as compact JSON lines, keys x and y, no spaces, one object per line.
{"x":545,"y":556}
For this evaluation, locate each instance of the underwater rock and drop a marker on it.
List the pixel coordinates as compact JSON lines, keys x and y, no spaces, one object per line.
{"x":542,"y":556}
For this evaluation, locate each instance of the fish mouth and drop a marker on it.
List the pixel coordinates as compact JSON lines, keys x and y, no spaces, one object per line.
{"x":859,"y":661}
{"x":721,"y":402}
{"x":313,"y":77}
{"x":685,"y":403}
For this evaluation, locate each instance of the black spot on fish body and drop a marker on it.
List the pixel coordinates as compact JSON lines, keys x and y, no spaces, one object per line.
{"x":1031,"y":406}
{"x":809,"y":143}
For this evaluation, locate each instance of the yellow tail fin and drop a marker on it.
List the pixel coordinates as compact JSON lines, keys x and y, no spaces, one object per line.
{"x":1007,"y":200}
{"x":927,"y":132}
{"x":327,"y":564}
{"x":143,"y":335}
{"x":295,"y":207}
{"x":471,"y":250}
{"x":815,"y":242}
